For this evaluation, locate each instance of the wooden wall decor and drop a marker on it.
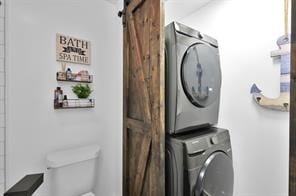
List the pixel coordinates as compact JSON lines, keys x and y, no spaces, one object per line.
{"x":282,"y":102}
{"x":73,"y":50}
{"x":143,"y":96}
{"x":292,"y":172}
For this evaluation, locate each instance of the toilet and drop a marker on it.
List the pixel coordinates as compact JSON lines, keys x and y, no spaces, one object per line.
{"x":72,"y":172}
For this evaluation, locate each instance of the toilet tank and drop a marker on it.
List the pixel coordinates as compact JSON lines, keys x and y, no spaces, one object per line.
{"x":72,"y":172}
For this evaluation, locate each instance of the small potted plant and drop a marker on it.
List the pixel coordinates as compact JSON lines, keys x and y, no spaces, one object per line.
{"x":82,"y":91}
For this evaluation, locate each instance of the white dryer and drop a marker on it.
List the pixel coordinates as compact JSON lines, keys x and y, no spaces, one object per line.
{"x":193,"y":79}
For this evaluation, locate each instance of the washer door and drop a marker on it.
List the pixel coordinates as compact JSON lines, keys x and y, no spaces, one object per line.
{"x":216,"y":176}
{"x":201,"y":74}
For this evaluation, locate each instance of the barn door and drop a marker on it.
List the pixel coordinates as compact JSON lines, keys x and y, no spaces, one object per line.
{"x":143,"y":120}
{"x":292,"y":176}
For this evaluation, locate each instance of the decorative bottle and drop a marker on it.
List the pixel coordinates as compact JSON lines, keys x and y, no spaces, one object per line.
{"x":69,"y":74}
{"x":60,"y":98}
{"x":65,"y":101}
{"x":56,"y":96}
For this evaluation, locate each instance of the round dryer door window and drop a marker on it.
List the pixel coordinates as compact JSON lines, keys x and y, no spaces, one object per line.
{"x":216,"y":176}
{"x":201,"y":74}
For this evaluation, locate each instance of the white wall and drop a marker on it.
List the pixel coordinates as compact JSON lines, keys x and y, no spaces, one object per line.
{"x":34,"y":128}
{"x":2,"y":98}
{"x":176,"y":9}
{"x":247,"y":31}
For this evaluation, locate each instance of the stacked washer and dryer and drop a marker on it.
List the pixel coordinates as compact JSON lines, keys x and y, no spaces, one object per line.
{"x":198,"y":155}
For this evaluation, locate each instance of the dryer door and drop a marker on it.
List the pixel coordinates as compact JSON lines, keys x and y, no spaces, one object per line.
{"x":201,"y":74}
{"x":216,"y":176}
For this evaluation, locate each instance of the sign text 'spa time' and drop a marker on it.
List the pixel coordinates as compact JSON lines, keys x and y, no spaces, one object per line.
{"x":73,"y":50}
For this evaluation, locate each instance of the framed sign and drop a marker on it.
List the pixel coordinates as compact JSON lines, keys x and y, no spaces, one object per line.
{"x":73,"y":50}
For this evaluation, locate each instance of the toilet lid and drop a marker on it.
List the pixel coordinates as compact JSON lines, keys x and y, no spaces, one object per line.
{"x":216,"y":177}
{"x":201,"y":75}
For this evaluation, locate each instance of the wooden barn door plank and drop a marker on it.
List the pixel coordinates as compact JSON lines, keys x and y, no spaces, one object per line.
{"x":142,"y":166}
{"x":292,"y":172}
{"x":143,"y":110}
{"x":138,"y":69}
{"x":125,"y":104}
{"x":157,"y":92}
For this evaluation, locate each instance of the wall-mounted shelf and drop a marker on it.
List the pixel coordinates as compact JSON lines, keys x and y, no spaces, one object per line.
{"x":76,"y":103}
{"x":79,"y":81}
{"x":60,"y":76}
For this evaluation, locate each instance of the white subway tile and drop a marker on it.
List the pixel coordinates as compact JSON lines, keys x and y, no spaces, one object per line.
{"x":2,"y":13}
{"x":1,"y":37}
{"x":2,"y":81}
{"x":2,"y":97}
{"x":2,"y":162}
{"x":2,"y":189}
{"x":1,"y":24}
{"x":1,"y":150}
{"x":1,"y":176}
{"x":2,"y":65}
{"x":2,"y":106}
{"x":2,"y":93}
{"x":1,"y":51}
{"x":2,"y":120}
{"x":2,"y":136}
